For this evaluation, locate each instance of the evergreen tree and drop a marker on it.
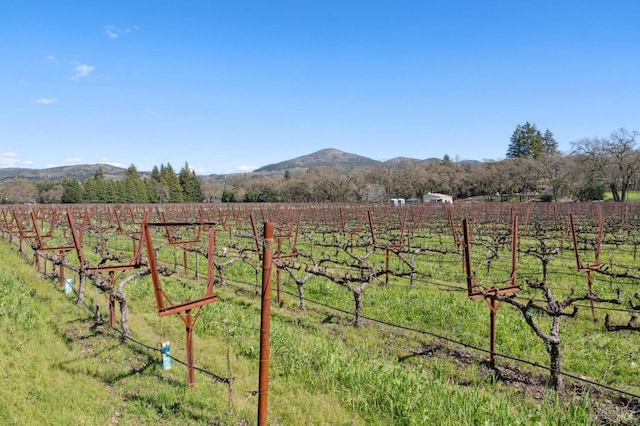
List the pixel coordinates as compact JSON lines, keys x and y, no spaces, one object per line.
{"x":90,"y":191}
{"x":131,"y":173}
{"x":526,"y":142}
{"x":140,"y":192}
{"x":228,"y":196}
{"x":549,"y":144}
{"x":72,"y":191}
{"x":191,"y":189}
{"x":109,"y":194}
{"x":155,"y":174}
{"x":170,"y":180}
{"x":99,"y":175}
{"x":268,"y":195}
{"x":251,"y":197}
{"x":150,"y":189}
{"x":197,"y":188}
{"x":134,"y":188}
{"x":101,"y":190}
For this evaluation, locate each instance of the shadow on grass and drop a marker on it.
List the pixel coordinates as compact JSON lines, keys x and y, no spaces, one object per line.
{"x":96,"y":340}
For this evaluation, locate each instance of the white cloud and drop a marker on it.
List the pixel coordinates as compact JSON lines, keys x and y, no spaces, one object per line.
{"x":51,"y":58}
{"x":45,"y":101}
{"x":112,"y":163}
{"x":82,"y":71}
{"x":114,"y":32}
{"x":73,"y":160}
{"x":10,"y":159}
{"x":245,"y":168}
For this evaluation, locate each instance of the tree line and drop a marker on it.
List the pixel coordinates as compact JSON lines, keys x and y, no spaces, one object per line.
{"x":534,"y":168}
{"x":164,"y":185}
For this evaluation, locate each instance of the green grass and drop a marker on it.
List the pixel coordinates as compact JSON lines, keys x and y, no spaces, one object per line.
{"x":36,"y":388}
{"x":323,"y":371}
{"x":633,"y":195}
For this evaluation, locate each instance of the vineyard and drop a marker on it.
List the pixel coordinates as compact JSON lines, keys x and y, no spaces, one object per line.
{"x":458,"y":314}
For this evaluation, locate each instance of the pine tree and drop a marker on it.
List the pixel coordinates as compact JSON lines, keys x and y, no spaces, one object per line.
{"x":134,"y":188}
{"x":526,"y":142}
{"x":549,"y":144}
{"x":131,"y":173}
{"x":90,"y":191}
{"x":150,"y":187}
{"x":102,"y":194}
{"x":72,"y":191}
{"x":155,"y":174}
{"x":170,"y":180}
{"x":197,"y":188}
{"x":99,"y":175}
{"x":191,"y":189}
{"x":140,"y":191}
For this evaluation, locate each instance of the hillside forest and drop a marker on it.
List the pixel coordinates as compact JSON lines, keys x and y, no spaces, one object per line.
{"x":533,"y":169}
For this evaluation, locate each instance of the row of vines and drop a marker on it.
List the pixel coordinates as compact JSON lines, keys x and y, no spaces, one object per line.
{"x":560,"y":281}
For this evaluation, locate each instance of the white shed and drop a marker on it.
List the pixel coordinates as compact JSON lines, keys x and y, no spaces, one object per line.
{"x":433,"y":197}
{"x":398,"y":202}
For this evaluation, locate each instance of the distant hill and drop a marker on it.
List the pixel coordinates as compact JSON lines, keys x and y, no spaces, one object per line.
{"x":335,"y":157}
{"x":323,"y":158}
{"x":80,"y":172}
{"x":404,"y":162}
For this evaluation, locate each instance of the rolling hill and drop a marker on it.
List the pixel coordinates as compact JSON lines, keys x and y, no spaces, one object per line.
{"x":324,"y":158}
{"x":79,"y":172}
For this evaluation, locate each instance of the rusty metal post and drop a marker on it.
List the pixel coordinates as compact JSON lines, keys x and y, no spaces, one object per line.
{"x":153,"y":265}
{"x":265,"y":324}
{"x":587,"y":268}
{"x":191,"y":381}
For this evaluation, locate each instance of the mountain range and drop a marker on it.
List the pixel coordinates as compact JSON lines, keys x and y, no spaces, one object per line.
{"x":80,"y":172}
{"x":324,"y":158}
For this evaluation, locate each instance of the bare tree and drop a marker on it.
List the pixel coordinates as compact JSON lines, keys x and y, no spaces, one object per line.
{"x":20,"y":191}
{"x":614,"y":160}
{"x":554,"y":169}
{"x":621,"y":148}
{"x":211,"y":190}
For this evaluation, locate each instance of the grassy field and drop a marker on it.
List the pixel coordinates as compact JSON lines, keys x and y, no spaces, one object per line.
{"x":60,"y":366}
{"x":631,"y":196}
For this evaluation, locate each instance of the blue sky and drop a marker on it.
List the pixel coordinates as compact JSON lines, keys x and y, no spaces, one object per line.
{"x":228,"y":86}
